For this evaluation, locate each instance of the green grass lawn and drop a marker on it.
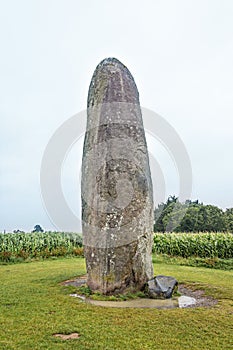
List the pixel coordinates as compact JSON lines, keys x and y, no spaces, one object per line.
{"x":34,"y":306}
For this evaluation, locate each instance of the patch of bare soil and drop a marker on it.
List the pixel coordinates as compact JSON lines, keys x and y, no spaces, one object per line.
{"x":67,"y":336}
{"x":201,"y":299}
{"x":77,"y":282}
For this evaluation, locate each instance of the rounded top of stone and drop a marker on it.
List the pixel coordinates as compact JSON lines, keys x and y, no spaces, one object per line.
{"x":111,"y":61}
{"x":112,"y":82}
{"x":112,"y":65}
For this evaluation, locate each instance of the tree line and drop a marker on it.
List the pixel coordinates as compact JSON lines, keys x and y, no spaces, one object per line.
{"x":191,"y":216}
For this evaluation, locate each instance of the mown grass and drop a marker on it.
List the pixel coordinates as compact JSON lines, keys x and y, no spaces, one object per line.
{"x":34,"y":306}
{"x":213,"y":263}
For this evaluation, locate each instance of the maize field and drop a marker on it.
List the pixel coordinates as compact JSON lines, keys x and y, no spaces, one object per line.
{"x":39,"y":244}
{"x":22,"y":246}
{"x":203,"y":245}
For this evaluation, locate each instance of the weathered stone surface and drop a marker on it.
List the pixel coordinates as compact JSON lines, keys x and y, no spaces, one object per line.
{"x":117,"y":201}
{"x":161,"y":287}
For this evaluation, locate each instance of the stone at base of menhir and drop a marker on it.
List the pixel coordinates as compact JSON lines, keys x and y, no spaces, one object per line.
{"x":161,"y":287}
{"x":185,"y":301}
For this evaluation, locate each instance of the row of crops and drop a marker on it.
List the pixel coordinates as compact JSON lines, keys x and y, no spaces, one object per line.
{"x":39,"y":244}
{"x":46,"y":244}
{"x":203,"y":245}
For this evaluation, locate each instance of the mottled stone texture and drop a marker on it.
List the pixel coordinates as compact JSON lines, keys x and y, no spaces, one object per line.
{"x":117,"y":201}
{"x":161,"y":287}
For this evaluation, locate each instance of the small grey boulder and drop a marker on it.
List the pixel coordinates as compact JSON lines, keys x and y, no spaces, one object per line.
{"x":161,"y":287}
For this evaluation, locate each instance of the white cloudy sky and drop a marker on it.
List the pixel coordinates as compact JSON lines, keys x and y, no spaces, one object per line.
{"x":180,"y":53}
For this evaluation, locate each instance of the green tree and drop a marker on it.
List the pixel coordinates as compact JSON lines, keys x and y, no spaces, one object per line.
{"x":215,"y":220}
{"x":162,"y":214}
{"x":229,"y":219}
{"x":37,"y":228}
{"x":189,"y":222}
{"x":191,"y":216}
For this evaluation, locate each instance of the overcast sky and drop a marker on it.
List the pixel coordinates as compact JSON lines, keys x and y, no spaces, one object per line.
{"x":180,"y":53}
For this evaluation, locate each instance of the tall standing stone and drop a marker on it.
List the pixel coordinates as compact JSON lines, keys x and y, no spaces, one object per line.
{"x":117,"y":200}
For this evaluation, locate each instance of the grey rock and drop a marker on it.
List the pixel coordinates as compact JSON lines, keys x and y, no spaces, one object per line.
{"x":185,"y":301}
{"x":161,"y":287}
{"x":117,"y":200}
